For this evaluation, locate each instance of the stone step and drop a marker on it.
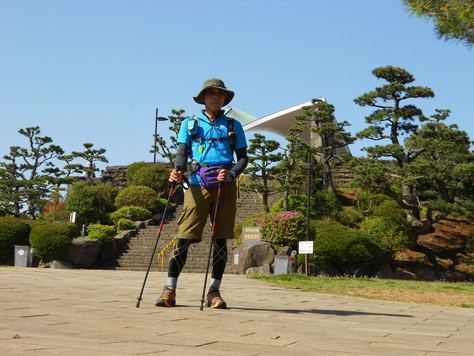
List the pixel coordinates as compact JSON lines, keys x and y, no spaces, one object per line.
{"x":137,"y":254}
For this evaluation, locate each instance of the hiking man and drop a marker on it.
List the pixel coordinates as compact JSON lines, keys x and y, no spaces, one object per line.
{"x":209,"y":139}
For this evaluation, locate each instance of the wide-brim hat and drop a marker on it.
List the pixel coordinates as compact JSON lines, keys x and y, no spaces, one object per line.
{"x":214,"y":83}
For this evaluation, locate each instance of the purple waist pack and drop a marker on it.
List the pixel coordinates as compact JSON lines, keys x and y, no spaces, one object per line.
{"x":209,"y":176}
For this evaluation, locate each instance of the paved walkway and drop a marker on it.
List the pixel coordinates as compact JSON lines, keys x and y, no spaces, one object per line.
{"x":93,"y":312}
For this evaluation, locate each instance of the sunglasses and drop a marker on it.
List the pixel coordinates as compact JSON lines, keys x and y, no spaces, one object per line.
{"x":215,"y":92}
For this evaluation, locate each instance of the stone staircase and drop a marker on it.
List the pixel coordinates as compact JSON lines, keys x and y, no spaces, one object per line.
{"x":136,"y":255}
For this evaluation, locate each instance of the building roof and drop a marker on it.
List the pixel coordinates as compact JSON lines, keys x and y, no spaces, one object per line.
{"x":278,"y":123}
{"x":239,"y":115}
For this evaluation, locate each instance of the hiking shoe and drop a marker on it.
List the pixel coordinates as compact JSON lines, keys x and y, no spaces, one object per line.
{"x":214,"y":300}
{"x":167,"y":298}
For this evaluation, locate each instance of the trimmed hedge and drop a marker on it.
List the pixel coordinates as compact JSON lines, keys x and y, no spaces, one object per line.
{"x":389,"y":224}
{"x":141,"y":196}
{"x":134,"y":213}
{"x":153,"y":175}
{"x":322,"y":204}
{"x":51,"y":240}
{"x":100,"y":232}
{"x":125,"y":224}
{"x":348,"y":249}
{"x":13,"y":231}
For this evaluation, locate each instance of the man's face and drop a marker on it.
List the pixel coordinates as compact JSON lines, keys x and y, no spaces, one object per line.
{"x":214,"y":99}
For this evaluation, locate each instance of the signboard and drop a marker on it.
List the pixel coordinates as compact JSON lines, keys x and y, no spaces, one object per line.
{"x":305,"y":247}
{"x":251,"y":235}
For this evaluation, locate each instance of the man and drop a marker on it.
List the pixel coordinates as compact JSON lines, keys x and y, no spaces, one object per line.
{"x":209,"y":139}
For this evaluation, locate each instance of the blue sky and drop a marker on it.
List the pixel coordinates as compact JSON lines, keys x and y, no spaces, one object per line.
{"x":96,"y":70}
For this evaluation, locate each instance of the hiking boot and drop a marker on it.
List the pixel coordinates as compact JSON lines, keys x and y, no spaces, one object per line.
{"x":167,"y":298}
{"x":214,"y":300}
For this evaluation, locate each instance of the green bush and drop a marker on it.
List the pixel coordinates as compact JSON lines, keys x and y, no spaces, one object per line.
{"x":92,"y":203}
{"x":348,"y":249}
{"x":125,"y":224}
{"x":80,"y":199}
{"x":296,"y":202}
{"x":350,"y":217}
{"x":100,"y":232}
{"x":366,"y":201}
{"x":51,"y":240}
{"x":153,"y":175}
{"x":104,"y":201}
{"x":322,"y":204}
{"x":389,"y":224}
{"x":13,"y":232}
{"x":134,"y":213}
{"x":282,"y":229}
{"x":141,"y":196}
{"x":326,"y":205}
{"x":158,"y":206}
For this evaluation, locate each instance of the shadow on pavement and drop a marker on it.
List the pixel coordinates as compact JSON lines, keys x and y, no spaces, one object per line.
{"x":322,"y":311}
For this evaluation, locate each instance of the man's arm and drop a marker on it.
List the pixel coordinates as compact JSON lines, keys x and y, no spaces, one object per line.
{"x":182,"y":154}
{"x":242,"y":161}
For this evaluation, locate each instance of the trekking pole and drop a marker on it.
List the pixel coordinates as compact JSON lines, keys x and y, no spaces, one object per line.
{"x":219,"y":189}
{"x":172,"y":188}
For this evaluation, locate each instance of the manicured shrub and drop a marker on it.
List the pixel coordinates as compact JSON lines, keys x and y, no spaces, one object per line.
{"x":134,"y":213}
{"x":326,"y":205}
{"x":389,"y":224}
{"x":366,"y":201}
{"x":80,"y":199}
{"x":100,"y":232}
{"x":282,"y":229}
{"x":348,"y":249}
{"x":13,"y":232}
{"x":125,"y":224}
{"x":141,"y":196}
{"x":104,"y":201}
{"x":51,"y":240}
{"x":153,"y":175}
{"x":158,"y":206}
{"x":350,"y":217}
{"x":296,"y":202}
{"x":322,"y":204}
{"x":92,"y":203}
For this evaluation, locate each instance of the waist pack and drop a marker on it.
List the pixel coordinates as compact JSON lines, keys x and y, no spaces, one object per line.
{"x":209,"y":176}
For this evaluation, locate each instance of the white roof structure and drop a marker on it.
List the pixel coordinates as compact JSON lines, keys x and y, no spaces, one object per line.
{"x":278,"y":123}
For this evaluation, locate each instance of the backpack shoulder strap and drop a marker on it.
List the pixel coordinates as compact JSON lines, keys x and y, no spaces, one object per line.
{"x":231,"y":133}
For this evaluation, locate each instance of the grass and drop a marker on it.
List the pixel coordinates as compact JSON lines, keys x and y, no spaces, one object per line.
{"x":435,"y":293}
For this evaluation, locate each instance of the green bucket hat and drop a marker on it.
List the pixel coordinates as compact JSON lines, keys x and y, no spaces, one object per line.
{"x":214,"y":83}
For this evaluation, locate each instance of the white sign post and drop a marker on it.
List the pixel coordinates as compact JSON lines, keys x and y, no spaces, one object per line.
{"x":305,"y":247}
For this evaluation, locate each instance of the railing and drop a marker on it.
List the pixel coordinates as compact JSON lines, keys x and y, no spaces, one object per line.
{"x":244,"y":177}
{"x":161,"y":254}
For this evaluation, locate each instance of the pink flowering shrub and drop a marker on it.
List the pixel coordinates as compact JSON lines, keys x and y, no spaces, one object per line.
{"x":282,"y":229}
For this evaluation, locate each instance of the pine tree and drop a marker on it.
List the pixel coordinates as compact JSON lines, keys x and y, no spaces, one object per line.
{"x":430,"y":173}
{"x":261,"y":169}
{"x":453,"y":19}
{"x":22,"y":182}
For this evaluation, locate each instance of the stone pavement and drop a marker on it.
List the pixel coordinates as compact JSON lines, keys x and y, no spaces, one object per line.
{"x":93,"y":312}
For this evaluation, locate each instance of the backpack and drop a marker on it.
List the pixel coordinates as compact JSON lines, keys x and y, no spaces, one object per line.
{"x":193,"y":130}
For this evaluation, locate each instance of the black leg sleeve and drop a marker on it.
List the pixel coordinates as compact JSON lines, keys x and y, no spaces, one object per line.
{"x":219,"y":258}
{"x":178,"y":257}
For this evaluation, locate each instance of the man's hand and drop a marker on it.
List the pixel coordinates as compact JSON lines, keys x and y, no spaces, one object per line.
{"x":225,"y":176}
{"x":175,"y":176}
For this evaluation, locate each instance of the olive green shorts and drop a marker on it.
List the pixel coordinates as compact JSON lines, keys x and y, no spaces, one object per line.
{"x":199,"y":204}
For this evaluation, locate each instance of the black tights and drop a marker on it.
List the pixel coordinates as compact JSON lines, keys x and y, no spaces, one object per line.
{"x":180,"y":254}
